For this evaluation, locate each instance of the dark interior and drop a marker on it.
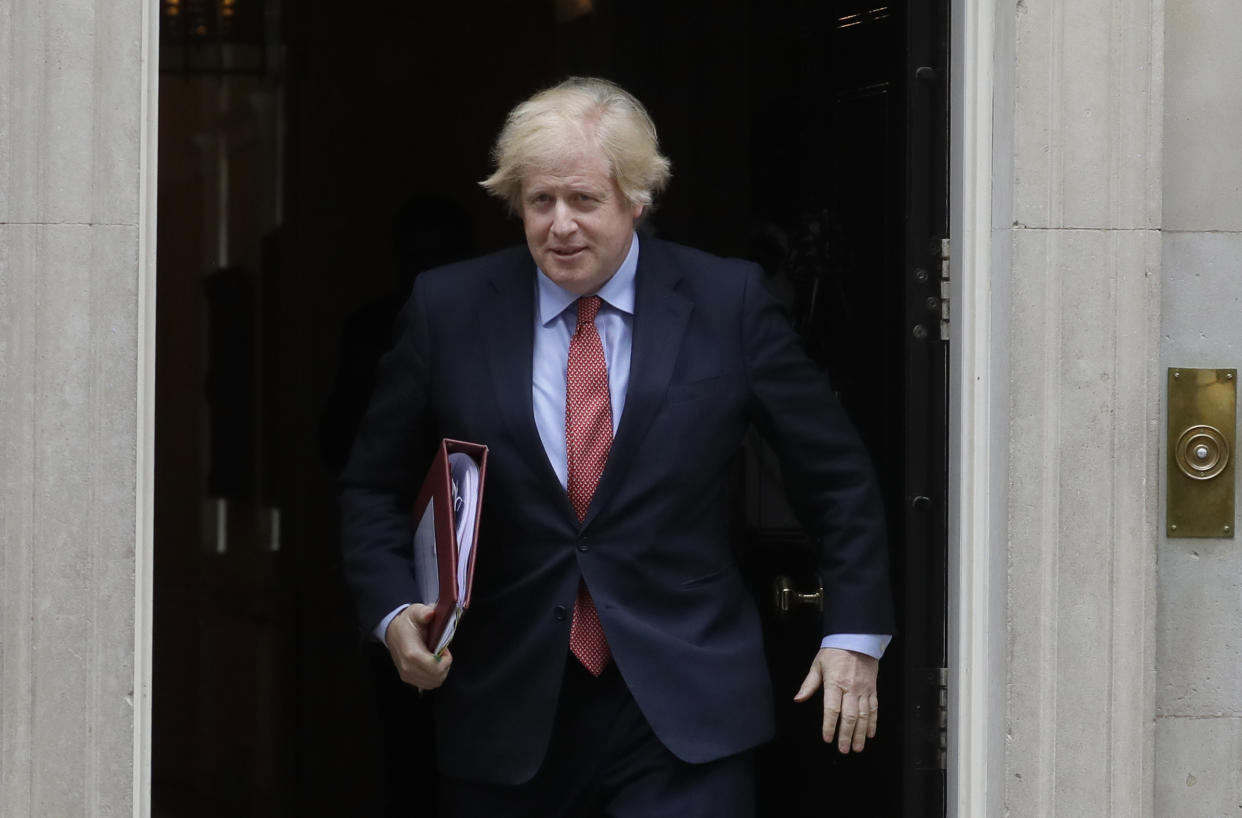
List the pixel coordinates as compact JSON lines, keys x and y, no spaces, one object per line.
{"x":315,"y":156}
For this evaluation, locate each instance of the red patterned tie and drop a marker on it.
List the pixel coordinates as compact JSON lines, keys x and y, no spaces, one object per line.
{"x":588,"y":437}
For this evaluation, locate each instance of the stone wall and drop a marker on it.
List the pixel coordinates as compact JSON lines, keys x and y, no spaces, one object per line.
{"x":73,"y":302}
{"x":1199,"y":631}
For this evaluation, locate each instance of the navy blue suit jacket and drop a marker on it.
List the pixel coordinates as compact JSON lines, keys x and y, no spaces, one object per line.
{"x":712,"y":354}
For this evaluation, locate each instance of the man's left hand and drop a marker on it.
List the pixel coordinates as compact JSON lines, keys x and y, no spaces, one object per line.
{"x":848,"y":681}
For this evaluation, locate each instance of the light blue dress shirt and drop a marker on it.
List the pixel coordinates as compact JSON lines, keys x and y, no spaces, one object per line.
{"x":555,"y":324}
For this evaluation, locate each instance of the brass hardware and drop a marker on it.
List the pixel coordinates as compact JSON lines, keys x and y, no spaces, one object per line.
{"x":1201,"y":452}
{"x":786,"y":598}
{"x":1202,"y":420}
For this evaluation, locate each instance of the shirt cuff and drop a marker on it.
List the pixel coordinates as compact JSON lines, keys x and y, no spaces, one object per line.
{"x":382,"y":628}
{"x":872,"y":644}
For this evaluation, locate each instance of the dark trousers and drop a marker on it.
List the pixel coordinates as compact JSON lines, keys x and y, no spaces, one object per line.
{"x":604,"y":760}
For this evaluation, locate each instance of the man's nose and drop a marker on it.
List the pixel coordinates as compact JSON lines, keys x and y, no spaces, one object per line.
{"x":563,"y":222}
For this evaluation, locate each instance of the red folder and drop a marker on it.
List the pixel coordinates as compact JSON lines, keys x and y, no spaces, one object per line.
{"x":443,"y":568}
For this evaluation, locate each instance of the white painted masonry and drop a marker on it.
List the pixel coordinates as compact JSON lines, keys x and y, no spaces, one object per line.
{"x":976,"y":430}
{"x":77,"y":127}
{"x":1058,"y":429}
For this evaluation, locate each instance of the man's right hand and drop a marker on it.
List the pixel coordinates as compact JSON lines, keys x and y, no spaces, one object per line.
{"x":407,"y":642}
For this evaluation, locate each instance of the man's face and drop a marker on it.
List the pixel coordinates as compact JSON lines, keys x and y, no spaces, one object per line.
{"x":578,"y":223}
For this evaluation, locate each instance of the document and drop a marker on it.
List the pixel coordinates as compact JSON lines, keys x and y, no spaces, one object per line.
{"x":446,"y":516}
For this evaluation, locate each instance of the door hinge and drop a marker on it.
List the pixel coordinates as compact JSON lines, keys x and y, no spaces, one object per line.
{"x":945,"y":254}
{"x":932,"y":718}
{"x":942,"y":718}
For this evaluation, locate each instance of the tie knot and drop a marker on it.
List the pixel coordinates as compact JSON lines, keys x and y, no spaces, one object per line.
{"x":588,"y":306}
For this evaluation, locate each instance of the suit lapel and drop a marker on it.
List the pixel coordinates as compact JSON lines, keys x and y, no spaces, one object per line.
{"x":509,"y":318}
{"x":660,"y":317}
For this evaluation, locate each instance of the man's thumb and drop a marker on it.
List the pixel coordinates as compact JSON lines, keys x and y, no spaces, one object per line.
{"x":810,"y":684}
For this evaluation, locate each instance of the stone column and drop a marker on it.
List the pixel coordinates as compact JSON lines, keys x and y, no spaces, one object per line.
{"x":1078,"y":215}
{"x":76,"y":131}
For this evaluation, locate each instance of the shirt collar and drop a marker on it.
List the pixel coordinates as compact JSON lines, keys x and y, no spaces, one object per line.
{"x":617,"y":292}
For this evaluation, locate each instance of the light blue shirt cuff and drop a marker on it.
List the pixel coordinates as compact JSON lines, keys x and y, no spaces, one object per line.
{"x":872,"y":644}
{"x":382,"y":628}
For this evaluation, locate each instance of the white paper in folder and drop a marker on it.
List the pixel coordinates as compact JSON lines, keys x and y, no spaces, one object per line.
{"x":464,"y":477}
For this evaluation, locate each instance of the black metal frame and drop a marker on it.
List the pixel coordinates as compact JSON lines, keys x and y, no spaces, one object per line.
{"x":927,"y":356}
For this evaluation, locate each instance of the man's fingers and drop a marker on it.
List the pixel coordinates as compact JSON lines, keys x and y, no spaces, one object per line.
{"x":862,"y":727}
{"x":851,"y":706}
{"x":832,"y":709}
{"x":415,"y":664}
{"x":849,"y":721}
{"x":423,"y":671}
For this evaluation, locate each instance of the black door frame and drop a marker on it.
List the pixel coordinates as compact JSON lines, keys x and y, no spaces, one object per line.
{"x":927,"y":371}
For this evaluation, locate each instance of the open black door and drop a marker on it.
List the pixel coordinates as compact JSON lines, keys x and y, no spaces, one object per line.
{"x":809,"y":136}
{"x":853,"y":96}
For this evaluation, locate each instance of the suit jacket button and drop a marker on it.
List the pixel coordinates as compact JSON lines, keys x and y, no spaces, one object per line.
{"x":583,"y":545}
{"x":558,"y":613}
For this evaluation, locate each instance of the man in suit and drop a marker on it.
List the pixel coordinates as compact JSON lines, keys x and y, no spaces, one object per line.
{"x":612,"y":659}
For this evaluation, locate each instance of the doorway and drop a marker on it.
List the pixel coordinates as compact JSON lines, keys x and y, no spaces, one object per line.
{"x":312,"y":160}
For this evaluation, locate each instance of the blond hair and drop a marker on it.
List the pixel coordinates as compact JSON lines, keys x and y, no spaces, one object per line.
{"x":558,"y":121}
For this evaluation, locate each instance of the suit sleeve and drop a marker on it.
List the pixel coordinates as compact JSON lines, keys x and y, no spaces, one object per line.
{"x":828,"y":475}
{"x":385,"y":470}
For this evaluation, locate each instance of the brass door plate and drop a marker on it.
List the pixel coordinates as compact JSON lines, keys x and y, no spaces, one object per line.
{"x":1202,"y":423}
